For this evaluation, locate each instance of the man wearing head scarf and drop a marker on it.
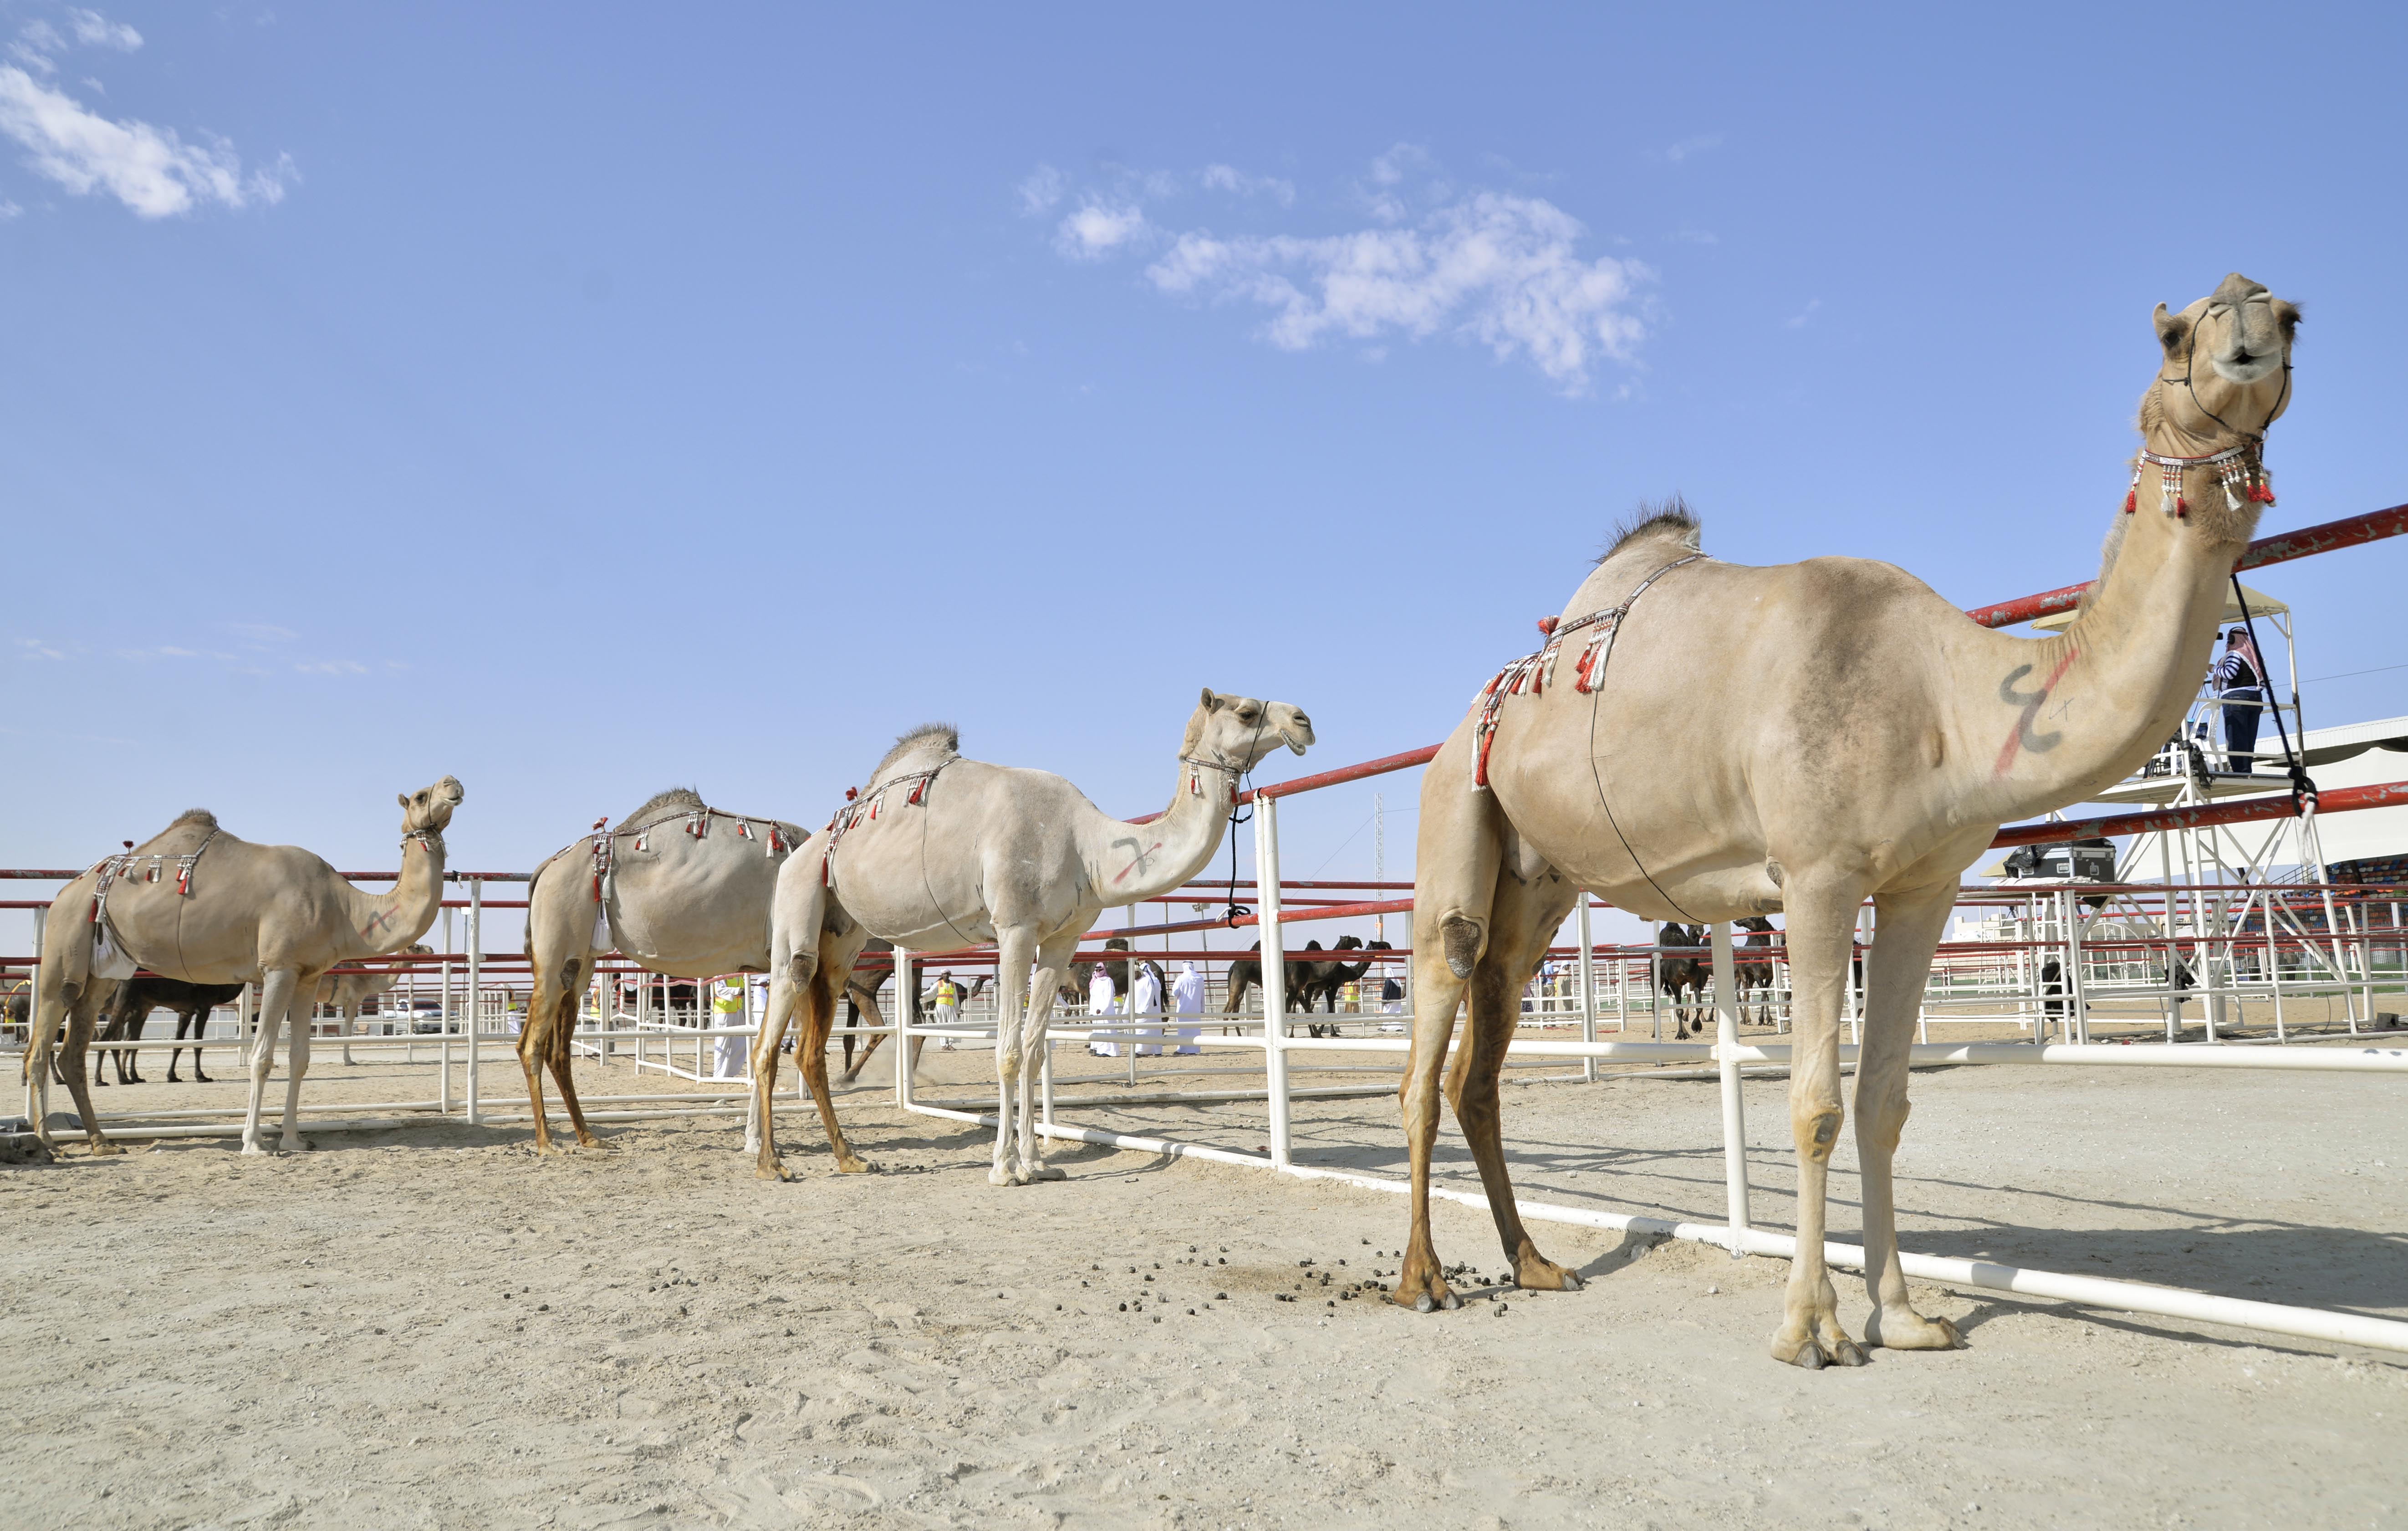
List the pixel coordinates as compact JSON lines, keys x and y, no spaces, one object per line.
{"x":1103,"y":999}
{"x":727,"y":1009}
{"x":2239,"y":680}
{"x":1145,"y":1008}
{"x":1187,"y":1005}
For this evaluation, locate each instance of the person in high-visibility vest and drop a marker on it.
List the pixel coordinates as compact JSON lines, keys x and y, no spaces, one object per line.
{"x":727,"y":1009}
{"x":949,"y":1007}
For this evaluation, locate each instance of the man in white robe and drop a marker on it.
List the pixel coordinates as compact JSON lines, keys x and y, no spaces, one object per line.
{"x":1103,"y":998}
{"x":1187,"y":1005}
{"x":1145,"y":1009}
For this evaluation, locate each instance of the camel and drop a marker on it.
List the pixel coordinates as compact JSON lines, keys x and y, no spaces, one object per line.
{"x":1246,"y":975}
{"x":1324,"y":981}
{"x":938,"y":852}
{"x":197,"y":904}
{"x":348,"y":995}
{"x":679,"y":886}
{"x":1860,"y":738}
{"x":1687,"y":978}
{"x":1753,"y":974}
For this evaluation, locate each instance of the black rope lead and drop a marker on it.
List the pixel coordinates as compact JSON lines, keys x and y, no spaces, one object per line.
{"x":2304,"y":789}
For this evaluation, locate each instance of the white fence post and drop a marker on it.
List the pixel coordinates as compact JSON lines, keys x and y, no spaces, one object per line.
{"x":906,"y":990}
{"x":38,"y":1081}
{"x":1267,"y":907}
{"x":476,"y":991}
{"x":1734,"y":1111}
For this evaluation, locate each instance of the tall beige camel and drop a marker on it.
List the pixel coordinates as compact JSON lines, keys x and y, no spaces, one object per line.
{"x":197,"y":903}
{"x":1856,"y":737}
{"x":680,"y":887}
{"x":940,"y":852}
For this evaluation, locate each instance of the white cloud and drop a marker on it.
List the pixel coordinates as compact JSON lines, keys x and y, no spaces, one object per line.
{"x":1229,"y":178}
{"x":93,"y":30}
{"x":36,"y":649}
{"x":260,"y":632}
{"x":1042,"y":192}
{"x":1099,"y":228}
{"x":151,"y":169}
{"x":1494,"y":268}
{"x":332,"y":666}
{"x":8,"y":209}
{"x":1797,"y":319}
{"x":1688,"y":147}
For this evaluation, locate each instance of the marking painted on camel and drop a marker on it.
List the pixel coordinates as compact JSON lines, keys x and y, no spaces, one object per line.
{"x":2031,"y":702}
{"x":375,"y":921}
{"x":1137,"y":863}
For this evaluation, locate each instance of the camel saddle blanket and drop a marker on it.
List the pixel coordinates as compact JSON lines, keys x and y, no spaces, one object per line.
{"x":1532,"y":674}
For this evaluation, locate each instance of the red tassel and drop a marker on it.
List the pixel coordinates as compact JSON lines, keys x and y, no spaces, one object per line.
{"x":1547,"y":625}
{"x":2182,"y":507}
{"x":850,"y":793}
{"x":2263,"y":494}
{"x":2131,"y":499}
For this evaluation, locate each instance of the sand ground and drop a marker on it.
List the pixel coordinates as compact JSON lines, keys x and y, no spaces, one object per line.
{"x":432,"y":1327}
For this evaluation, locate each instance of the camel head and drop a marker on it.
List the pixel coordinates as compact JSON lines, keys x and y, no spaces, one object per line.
{"x":2227,"y":372}
{"x":429,"y":809}
{"x":1238,"y":731}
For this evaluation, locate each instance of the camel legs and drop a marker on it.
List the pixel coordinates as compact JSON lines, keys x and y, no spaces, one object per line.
{"x":788,"y":982}
{"x":1461,"y":844}
{"x":1015,"y":954}
{"x":811,"y":1057}
{"x":1522,"y":918}
{"x":544,"y":1042}
{"x":1053,"y":961}
{"x":1897,"y":968}
{"x":283,"y":996}
{"x":81,"y":1015}
{"x":194,"y":1021}
{"x":1822,"y":923}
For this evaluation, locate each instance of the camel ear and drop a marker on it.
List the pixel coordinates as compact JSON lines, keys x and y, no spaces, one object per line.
{"x":402,"y":797}
{"x":2286,"y":317}
{"x":1210,"y":703}
{"x":2172,"y":328}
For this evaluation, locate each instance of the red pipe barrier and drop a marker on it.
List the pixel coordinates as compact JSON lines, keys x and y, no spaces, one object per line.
{"x":2280,"y":548}
{"x":2248,"y":810}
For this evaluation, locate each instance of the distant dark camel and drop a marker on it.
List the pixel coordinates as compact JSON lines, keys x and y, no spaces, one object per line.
{"x":1246,"y":973}
{"x":1755,"y":973}
{"x":1688,"y":969}
{"x":131,"y":1007}
{"x":1324,"y":981}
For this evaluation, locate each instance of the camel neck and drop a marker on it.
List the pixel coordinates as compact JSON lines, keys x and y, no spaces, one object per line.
{"x":2078,"y":711}
{"x":1129,"y":862}
{"x":387,"y":923}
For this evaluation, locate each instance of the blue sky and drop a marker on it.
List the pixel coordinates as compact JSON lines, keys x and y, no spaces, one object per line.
{"x":582,"y":400}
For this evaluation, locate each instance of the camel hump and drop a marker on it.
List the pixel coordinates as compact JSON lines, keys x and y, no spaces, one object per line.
{"x":1661,"y":521}
{"x":672,"y":798}
{"x":930,"y":744}
{"x":201,"y":817}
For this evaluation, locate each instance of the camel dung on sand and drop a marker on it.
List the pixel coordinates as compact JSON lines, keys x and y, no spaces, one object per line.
{"x":679,"y":886}
{"x":197,"y":904}
{"x":1859,"y":738}
{"x":940,"y":852}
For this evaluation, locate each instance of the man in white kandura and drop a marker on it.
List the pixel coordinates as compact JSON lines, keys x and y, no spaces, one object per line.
{"x":1145,"y":1008}
{"x":727,"y":1009}
{"x":1187,"y":1004}
{"x":1103,"y":999}
{"x":949,"y":1007}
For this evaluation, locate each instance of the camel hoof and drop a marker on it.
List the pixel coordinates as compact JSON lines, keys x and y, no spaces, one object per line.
{"x":1048,"y":1172}
{"x":252,"y":1151}
{"x":999,"y":1175}
{"x":1453,"y":1302}
{"x":293,"y":1145}
{"x":102,"y":1150}
{"x":1424,"y":1304}
{"x":1573,"y":1281}
{"x":1849,"y":1353}
{"x":775,"y":1170}
{"x":855,"y":1166}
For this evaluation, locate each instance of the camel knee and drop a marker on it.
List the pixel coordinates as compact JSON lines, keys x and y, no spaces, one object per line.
{"x":1461,"y":938}
{"x":1816,"y":1128}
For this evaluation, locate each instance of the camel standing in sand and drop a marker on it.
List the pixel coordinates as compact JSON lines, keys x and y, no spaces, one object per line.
{"x":1859,"y":738}
{"x":680,"y":887}
{"x":938,"y":852}
{"x":196,"y":903}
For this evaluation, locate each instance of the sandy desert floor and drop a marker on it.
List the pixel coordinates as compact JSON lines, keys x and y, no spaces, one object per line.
{"x":432,"y":1327}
